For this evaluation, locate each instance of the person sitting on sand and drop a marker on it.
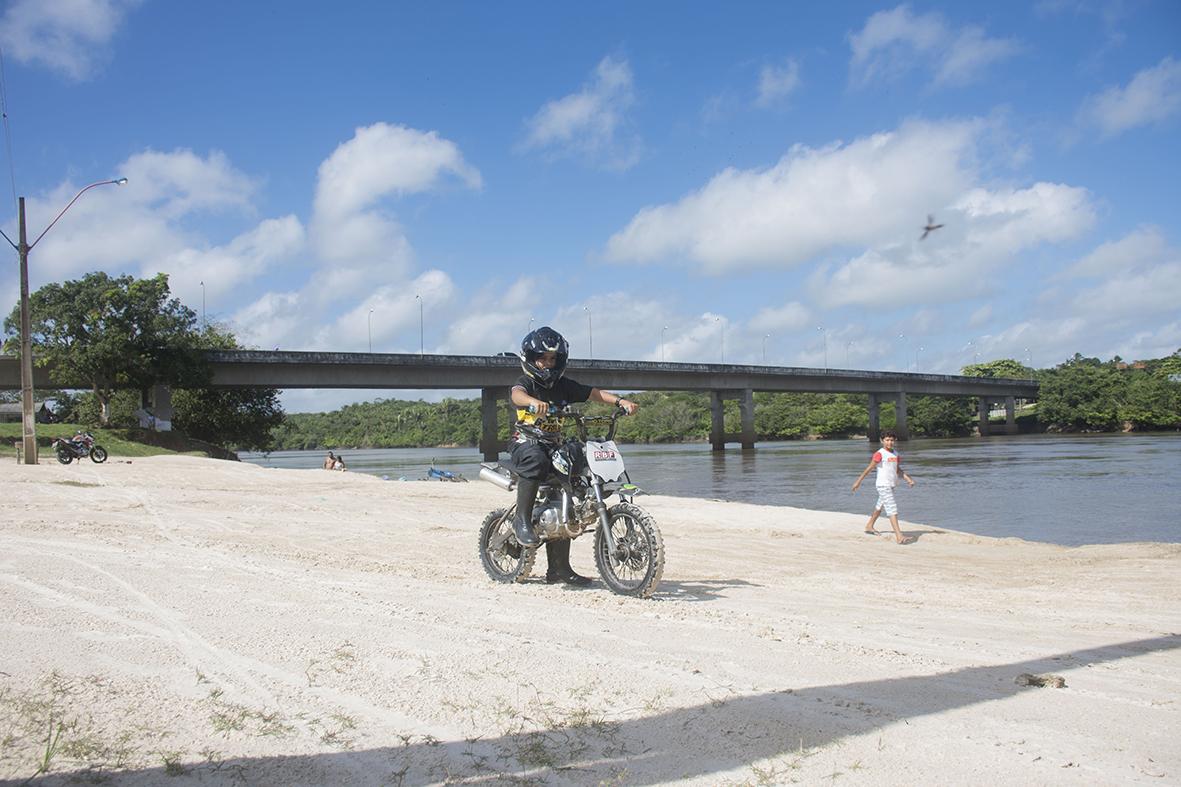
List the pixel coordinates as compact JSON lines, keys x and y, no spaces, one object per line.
{"x":339,"y":465}
{"x":330,"y":461}
{"x":889,"y":468}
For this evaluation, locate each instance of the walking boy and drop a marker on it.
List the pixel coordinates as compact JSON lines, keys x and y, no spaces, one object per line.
{"x":889,"y":468}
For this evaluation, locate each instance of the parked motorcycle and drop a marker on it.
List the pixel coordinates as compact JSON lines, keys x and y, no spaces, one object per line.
{"x":80,"y":445}
{"x":585,"y":472}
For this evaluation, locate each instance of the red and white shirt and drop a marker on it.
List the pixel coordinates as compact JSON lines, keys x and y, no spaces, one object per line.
{"x":887,"y":467}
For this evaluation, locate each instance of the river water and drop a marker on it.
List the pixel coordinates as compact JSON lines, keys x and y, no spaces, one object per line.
{"x":1062,"y":489}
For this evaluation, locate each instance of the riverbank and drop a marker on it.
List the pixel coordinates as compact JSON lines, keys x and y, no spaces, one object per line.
{"x":221,"y":622}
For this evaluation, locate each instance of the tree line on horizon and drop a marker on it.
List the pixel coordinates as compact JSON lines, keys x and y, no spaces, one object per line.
{"x":123,"y":335}
{"x":1080,"y":395}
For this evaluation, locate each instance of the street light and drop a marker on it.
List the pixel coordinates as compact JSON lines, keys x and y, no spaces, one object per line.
{"x":369,"y":322}
{"x":420,"y":345}
{"x":28,"y":423}
{"x":824,"y":338}
{"x":765,"y":338}
{"x":1029,"y":362}
{"x":722,"y":325}
{"x":848,"y":344}
{"x":662,"y":330}
{"x":530,"y":328}
{"x":204,"y":324}
{"x":916,"y":357}
{"x":905,"y":354}
{"x":590,"y":333}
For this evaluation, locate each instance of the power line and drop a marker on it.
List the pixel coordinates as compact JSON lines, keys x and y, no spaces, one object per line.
{"x":7,"y":129}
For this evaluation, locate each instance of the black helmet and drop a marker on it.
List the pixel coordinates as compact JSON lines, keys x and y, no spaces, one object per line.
{"x":535,"y":343}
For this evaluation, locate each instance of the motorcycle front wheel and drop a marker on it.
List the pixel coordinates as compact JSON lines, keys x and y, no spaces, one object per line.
{"x":503,"y":558}
{"x":635,"y":566}
{"x":64,"y":456}
{"x":98,"y":454}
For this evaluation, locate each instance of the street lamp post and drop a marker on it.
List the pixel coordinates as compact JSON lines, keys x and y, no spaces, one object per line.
{"x":369,"y":324}
{"x":848,"y":345}
{"x":662,"y":330}
{"x":905,"y":354}
{"x":824,"y":339}
{"x":421,"y":345}
{"x":590,"y":333}
{"x":765,"y":338}
{"x":28,"y":422}
{"x":722,"y":326}
{"x":916,"y":357}
{"x":204,"y":323}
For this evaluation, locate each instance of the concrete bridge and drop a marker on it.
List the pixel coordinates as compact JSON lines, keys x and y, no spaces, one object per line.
{"x":494,"y":375}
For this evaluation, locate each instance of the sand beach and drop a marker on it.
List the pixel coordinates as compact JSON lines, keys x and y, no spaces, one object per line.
{"x":181,"y":620}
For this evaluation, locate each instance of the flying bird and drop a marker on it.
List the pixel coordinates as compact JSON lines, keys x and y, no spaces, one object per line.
{"x":931,"y":227}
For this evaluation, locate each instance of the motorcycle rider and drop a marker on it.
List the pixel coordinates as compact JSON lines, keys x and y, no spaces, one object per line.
{"x":543,"y":360}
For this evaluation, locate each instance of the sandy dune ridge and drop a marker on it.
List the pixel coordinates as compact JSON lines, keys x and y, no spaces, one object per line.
{"x":190,"y":621}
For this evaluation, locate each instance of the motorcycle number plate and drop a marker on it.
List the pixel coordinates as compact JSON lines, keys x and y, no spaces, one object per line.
{"x":604,"y":459}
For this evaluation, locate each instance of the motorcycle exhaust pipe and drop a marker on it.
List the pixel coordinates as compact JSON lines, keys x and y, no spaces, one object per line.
{"x":496,"y":477}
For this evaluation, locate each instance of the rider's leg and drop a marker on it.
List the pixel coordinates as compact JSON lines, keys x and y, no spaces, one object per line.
{"x":531,"y":462}
{"x":523,"y":521}
{"x":559,"y":569}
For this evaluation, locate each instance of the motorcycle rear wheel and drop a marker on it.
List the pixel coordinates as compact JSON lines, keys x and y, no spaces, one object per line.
{"x":636,"y":565}
{"x":64,"y":456}
{"x":503,"y":558}
{"x":98,"y":454}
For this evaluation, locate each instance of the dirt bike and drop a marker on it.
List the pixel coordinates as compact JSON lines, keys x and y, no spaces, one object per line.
{"x":80,"y":445}
{"x":585,"y":472}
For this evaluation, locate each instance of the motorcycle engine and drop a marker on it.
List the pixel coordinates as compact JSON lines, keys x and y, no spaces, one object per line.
{"x":549,"y":516}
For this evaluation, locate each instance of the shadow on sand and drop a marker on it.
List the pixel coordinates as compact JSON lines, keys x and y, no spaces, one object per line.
{"x":684,"y":743}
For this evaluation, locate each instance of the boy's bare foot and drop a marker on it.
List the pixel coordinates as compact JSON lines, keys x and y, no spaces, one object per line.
{"x":904,"y":539}
{"x":870,"y":532}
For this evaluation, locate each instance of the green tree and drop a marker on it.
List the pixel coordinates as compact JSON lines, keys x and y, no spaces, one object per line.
{"x":940,"y":416}
{"x":1081,"y":394}
{"x":244,"y":418}
{"x":109,"y":333}
{"x":1004,"y":367}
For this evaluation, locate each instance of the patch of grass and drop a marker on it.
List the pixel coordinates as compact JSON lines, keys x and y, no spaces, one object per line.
{"x":118,"y":442}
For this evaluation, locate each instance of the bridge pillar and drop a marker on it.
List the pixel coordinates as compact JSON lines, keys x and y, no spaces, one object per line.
{"x":717,"y":422}
{"x":490,"y":445}
{"x":875,"y":429}
{"x":162,"y":407}
{"x":1010,"y":415}
{"x":900,"y":426}
{"x":985,"y":406}
{"x":746,"y":406}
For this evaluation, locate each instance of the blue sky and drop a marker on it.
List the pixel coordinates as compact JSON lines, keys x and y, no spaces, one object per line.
{"x":693,"y":180}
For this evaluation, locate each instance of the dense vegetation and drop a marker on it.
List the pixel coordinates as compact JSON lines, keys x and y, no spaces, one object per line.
{"x":1082,"y":394}
{"x":121,"y":336}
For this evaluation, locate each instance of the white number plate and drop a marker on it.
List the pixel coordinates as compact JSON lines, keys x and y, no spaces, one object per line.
{"x":604,"y":459}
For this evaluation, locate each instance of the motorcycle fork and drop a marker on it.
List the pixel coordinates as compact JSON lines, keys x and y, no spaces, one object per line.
{"x":604,"y":519}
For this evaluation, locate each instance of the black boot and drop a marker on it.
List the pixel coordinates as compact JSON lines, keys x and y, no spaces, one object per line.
{"x":557,"y":553}
{"x":523,"y":521}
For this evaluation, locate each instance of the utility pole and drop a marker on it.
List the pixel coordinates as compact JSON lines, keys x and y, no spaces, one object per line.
{"x":23,"y":247}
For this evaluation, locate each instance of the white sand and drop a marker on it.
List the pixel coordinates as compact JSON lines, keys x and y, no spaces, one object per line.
{"x":226,"y":623}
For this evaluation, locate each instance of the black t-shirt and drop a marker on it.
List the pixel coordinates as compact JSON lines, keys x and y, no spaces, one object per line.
{"x":565,"y":391}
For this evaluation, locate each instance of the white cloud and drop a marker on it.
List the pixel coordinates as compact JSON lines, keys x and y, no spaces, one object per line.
{"x":359,"y":243}
{"x":811,"y":201}
{"x":789,"y":317}
{"x":384,"y":159}
{"x":896,"y":41}
{"x":981,"y":316}
{"x":1153,"y":96}
{"x":225,"y":268}
{"x":1144,"y":245}
{"x":592,"y":123}
{"x":778,"y":82}
{"x":116,"y":227}
{"x":985,"y":230}
{"x":69,"y":37}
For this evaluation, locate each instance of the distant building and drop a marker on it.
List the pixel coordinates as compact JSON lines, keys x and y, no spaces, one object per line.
{"x":10,"y":413}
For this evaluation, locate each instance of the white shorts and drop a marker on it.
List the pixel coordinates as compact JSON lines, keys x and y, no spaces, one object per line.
{"x":886,"y":501}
